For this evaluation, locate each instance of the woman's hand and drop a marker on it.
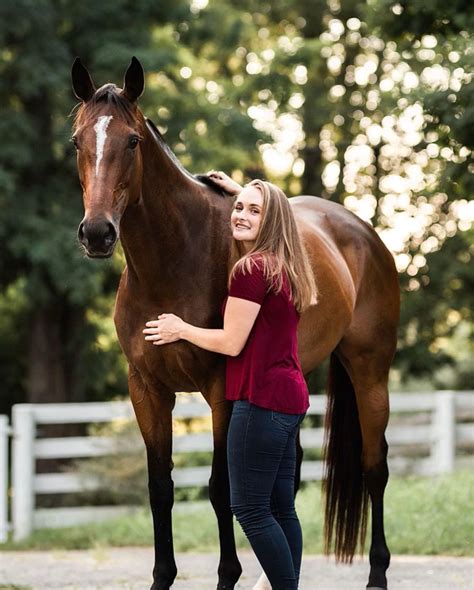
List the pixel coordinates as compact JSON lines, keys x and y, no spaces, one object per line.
{"x":225,"y":182}
{"x":167,"y":328}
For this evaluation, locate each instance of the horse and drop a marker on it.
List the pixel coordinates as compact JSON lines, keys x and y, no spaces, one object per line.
{"x":175,"y":232}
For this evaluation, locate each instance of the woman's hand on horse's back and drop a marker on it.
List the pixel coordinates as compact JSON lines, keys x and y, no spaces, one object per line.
{"x":225,"y":182}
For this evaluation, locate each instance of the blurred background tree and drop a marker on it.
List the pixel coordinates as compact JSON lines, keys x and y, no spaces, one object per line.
{"x":369,"y":103}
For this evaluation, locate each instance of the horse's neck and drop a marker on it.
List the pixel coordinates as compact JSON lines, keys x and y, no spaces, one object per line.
{"x":176,"y":234}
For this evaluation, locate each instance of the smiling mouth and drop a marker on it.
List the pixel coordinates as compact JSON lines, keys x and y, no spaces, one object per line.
{"x":239,"y":226}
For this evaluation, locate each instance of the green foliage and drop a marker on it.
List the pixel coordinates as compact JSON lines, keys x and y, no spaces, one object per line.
{"x":12,"y":368}
{"x":40,"y":204}
{"x":415,"y":18}
{"x":430,"y":516}
{"x":433,"y":316}
{"x":207,"y":71}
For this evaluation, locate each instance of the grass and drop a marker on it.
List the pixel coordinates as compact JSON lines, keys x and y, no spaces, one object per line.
{"x":423,"y":516}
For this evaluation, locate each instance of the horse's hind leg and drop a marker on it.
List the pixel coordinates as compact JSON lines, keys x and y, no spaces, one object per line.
{"x":153,"y":411}
{"x":369,"y":375}
{"x":372,"y":403}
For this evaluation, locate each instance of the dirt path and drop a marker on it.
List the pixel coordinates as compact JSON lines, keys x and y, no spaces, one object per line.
{"x":129,"y":569}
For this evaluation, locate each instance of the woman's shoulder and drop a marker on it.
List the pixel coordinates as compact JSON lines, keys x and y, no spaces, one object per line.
{"x":251,"y":263}
{"x":263,"y":260}
{"x":261,"y":265}
{"x":267,"y":265}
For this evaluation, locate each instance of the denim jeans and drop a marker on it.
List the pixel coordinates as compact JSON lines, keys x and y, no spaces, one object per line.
{"x":261,"y":452}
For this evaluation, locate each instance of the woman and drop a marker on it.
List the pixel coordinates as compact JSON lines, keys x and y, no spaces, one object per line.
{"x":269,"y":286}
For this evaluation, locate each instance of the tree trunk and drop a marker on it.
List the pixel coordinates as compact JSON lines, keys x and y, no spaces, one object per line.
{"x":54,"y":371}
{"x":55,"y":354}
{"x":312,"y":183}
{"x":315,"y":109}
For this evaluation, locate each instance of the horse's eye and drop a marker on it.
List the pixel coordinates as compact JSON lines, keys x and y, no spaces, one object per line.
{"x":74,"y":141}
{"x":133,"y":142}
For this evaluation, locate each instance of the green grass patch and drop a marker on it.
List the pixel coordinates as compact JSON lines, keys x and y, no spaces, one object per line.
{"x":423,"y":516}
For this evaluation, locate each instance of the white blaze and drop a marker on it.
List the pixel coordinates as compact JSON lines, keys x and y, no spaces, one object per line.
{"x":100,"y":129}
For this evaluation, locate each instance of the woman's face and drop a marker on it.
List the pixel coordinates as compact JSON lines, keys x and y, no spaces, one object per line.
{"x":247,"y":216}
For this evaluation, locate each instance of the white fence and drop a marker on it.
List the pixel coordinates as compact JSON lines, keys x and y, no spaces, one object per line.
{"x":426,"y":419}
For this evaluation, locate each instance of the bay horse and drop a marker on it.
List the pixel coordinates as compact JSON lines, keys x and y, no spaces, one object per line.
{"x":175,"y":233}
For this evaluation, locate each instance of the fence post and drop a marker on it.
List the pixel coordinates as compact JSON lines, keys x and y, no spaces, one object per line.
{"x":4,"y":432}
{"x":444,"y":430}
{"x":23,"y":470}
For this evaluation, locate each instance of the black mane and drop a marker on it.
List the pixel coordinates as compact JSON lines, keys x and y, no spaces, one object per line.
{"x":212,"y":184}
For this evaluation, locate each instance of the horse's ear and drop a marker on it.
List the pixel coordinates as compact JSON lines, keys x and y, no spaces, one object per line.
{"x":81,"y":81}
{"x":134,"y":80}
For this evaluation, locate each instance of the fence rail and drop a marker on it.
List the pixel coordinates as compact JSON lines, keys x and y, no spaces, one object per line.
{"x":440,"y":434}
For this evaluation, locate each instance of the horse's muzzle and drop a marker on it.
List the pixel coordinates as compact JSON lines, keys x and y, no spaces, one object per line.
{"x":98,"y":237}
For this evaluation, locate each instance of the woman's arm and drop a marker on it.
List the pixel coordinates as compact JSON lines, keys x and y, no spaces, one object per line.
{"x":239,"y":318}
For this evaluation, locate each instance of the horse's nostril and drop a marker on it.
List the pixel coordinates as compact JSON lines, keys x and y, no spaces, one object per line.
{"x":80,"y":232}
{"x":110,"y":234}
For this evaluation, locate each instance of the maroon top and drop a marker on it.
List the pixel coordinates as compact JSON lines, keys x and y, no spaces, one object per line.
{"x":267,"y":372}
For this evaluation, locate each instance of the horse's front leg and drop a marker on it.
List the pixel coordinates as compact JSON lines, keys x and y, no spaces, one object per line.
{"x":153,"y":410}
{"x":229,"y":569}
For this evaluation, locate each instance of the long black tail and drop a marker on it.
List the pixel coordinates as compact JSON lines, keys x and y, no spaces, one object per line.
{"x":345,"y":491}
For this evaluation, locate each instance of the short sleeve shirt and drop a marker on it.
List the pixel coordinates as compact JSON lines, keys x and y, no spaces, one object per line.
{"x":267,"y":372}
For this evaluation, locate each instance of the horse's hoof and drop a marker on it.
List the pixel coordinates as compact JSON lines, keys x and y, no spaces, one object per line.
{"x":375,"y":588}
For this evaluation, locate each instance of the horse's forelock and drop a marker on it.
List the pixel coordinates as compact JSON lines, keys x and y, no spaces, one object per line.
{"x":111,"y":95}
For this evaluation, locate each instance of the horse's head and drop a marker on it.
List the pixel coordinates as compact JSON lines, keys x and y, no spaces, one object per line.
{"x":107,"y":131}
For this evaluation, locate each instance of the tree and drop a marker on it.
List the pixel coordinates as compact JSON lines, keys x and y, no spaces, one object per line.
{"x":366,"y":103}
{"x":61,"y":293}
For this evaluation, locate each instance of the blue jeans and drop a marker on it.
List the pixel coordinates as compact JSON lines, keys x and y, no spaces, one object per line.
{"x":261,"y":452}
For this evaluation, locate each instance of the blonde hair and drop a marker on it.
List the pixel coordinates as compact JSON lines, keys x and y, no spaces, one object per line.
{"x":280,"y":246}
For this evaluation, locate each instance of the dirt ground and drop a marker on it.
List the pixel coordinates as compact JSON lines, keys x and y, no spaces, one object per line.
{"x":130,"y":569}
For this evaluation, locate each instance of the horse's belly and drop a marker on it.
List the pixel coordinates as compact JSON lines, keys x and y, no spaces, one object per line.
{"x":323,"y":325}
{"x":320,"y":330}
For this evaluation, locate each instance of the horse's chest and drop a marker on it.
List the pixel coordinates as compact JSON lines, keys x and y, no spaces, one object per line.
{"x":178,"y":366}
{"x":172,"y":365}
